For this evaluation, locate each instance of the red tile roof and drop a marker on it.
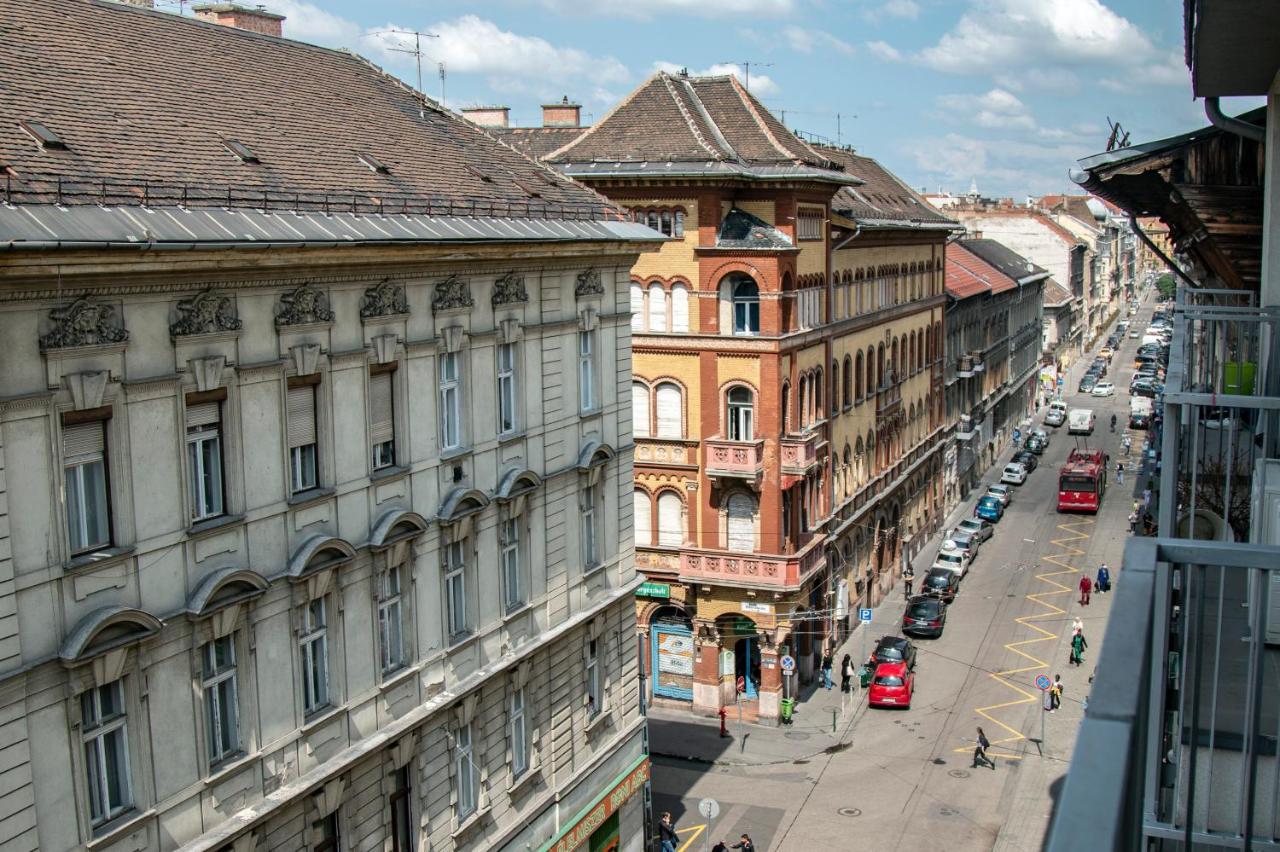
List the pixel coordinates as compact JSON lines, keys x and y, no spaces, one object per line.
{"x":150,"y":98}
{"x":537,"y":142}
{"x":968,"y":275}
{"x":1055,"y":293}
{"x":883,"y":197}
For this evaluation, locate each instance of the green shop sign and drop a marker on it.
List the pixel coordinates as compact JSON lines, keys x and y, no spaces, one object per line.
{"x":654,"y":590}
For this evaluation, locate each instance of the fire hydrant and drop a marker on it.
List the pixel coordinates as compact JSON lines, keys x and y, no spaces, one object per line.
{"x":724,"y":713}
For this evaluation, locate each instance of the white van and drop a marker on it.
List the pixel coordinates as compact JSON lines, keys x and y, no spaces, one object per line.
{"x":1080,"y":421}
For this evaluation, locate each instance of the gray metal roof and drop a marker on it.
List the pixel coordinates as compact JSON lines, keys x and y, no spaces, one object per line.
{"x":32,"y":226}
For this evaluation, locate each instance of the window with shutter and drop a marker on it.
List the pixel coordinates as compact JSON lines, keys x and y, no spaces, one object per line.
{"x":657,"y":308}
{"x":637,"y":307}
{"x":382,"y":420}
{"x":85,"y":476}
{"x":643,"y":518}
{"x":670,"y":526}
{"x":670,"y":411}
{"x":640,"y":409}
{"x":301,"y":417}
{"x":679,"y":308}
{"x":204,"y":459}
{"x":742,"y":523}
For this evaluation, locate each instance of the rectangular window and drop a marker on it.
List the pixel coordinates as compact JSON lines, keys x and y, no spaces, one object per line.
{"x":314,"y":644}
{"x":508,"y":393}
{"x":325,"y":831}
{"x":302,"y":436}
{"x":106,"y":751}
{"x":85,"y":477}
{"x":593,"y":678}
{"x":590,"y":518}
{"x":455,"y":589}
{"x":519,"y":735}
{"x":390,"y":621}
{"x":204,"y":459}
{"x":382,"y":428}
{"x":450,"y":402}
{"x":586,"y":371}
{"x":401,"y":812}
{"x":222,"y":710}
{"x":809,"y":226}
{"x":465,"y":773}
{"x":512,"y":591}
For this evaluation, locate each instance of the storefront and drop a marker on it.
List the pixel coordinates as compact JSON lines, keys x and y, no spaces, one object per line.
{"x":601,"y":826}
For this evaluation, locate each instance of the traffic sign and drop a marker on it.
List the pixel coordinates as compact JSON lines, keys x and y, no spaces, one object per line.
{"x":864,"y":615}
{"x":709,"y":808}
{"x":1043,"y":682}
{"x":788,"y":663}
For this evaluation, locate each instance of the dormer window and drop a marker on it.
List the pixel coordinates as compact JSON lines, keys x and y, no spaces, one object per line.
{"x":374,"y":163}
{"x":242,"y":152}
{"x":43,"y":135}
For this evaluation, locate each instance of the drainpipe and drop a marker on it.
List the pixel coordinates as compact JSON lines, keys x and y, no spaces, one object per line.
{"x":1231,"y":124}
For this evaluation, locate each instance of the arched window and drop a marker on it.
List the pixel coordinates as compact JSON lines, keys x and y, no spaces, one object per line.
{"x":653,"y":219}
{"x":637,"y":307}
{"x":786,"y":408}
{"x":665,"y":219}
{"x":670,"y":411}
{"x":657,"y":308}
{"x":847,"y":384}
{"x":643,"y":518}
{"x":678,"y":229}
{"x":746,"y":306}
{"x":670,"y":520}
{"x":879,"y":366}
{"x":871,"y":373}
{"x":858,"y":379}
{"x":740,"y":511}
{"x":817,"y":385}
{"x":640,"y":409}
{"x":804,"y":401}
{"x":912,"y":366}
{"x":679,"y":308}
{"x":894,"y":372}
{"x":835,"y":385}
{"x":740,"y":413}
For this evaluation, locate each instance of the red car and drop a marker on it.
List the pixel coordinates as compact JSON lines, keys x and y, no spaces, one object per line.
{"x":892,"y":686}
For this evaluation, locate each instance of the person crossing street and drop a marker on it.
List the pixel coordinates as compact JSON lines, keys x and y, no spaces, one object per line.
{"x":980,"y":753}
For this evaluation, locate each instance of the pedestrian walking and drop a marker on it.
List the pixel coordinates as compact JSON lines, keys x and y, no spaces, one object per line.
{"x":1120,"y":473}
{"x":1055,"y":693}
{"x":1133,"y":522}
{"x":1103,"y":583}
{"x":1146,"y":498}
{"x":826,"y":669}
{"x":667,"y":833}
{"x":908,"y":581}
{"x":980,"y":753}
{"x":1076,"y":624}
{"x":745,"y":844}
{"x":847,"y":671}
{"x":1126,"y":442}
{"x":1077,"y":648}
{"x":1086,"y":586}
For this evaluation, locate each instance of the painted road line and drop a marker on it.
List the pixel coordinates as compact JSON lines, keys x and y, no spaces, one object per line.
{"x":1050,"y":610}
{"x":697,"y":832}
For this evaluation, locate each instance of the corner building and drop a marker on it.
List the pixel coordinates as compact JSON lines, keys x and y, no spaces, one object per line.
{"x":314,"y":514}
{"x":739,"y":354}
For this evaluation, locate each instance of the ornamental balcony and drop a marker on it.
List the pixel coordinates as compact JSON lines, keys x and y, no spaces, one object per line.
{"x":666,"y":452}
{"x":799,"y":454}
{"x":781,"y":572}
{"x":735,"y":459}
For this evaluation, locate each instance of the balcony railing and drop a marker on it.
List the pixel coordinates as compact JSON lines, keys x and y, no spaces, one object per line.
{"x":799,"y":453}
{"x":666,"y":451}
{"x":735,"y":459}
{"x":888,"y":402}
{"x":775,"y":571}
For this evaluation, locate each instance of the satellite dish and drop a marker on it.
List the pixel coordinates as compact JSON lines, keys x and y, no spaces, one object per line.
{"x":1031,"y":267}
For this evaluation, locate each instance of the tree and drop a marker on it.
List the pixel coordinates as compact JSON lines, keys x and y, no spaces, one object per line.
{"x":1165,"y":284}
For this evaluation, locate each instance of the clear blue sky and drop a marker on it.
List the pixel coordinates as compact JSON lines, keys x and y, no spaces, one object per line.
{"x":1005,"y":92}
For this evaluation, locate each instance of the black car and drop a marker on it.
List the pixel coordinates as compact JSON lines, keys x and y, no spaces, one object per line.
{"x":925,"y":616}
{"x":1087,"y":383}
{"x":1100,"y":364}
{"x":895,"y":649}
{"x":1027,"y":459}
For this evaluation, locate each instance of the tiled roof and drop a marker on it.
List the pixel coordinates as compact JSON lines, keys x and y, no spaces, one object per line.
{"x":1075,"y":206}
{"x":1004,"y":259}
{"x":1055,"y":293}
{"x":676,"y":118}
{"x":968,"y":275}
{"x":537,"y":142}
{"x":741,"y":230}
{"x":883,"y":198}
{"x":148,"y":99}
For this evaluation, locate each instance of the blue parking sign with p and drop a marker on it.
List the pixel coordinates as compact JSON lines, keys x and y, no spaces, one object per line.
{"x":864,"y":615}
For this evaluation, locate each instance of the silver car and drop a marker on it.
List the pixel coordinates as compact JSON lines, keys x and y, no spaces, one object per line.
{"x":967,"y":542}
{"x":976,"y":527}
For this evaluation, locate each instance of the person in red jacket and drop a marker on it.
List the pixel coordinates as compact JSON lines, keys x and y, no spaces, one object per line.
{"x":1086,"y":586}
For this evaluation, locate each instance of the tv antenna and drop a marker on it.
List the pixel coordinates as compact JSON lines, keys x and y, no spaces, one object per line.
{"x":443,"y":74}
{"x":745,"y":65}
{"x":1119,"y":137}
{"x":416,"y":52}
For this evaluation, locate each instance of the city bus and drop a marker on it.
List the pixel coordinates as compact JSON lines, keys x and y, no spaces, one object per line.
{"x":1082,"y":481}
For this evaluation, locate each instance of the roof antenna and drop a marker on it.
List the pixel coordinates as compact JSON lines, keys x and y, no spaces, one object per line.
{"x":443,"y":73}
{"x":746,"y":70}
{"x":417,"y":53}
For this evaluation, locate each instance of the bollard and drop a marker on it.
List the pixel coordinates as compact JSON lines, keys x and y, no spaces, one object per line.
{"x":833,"y":721}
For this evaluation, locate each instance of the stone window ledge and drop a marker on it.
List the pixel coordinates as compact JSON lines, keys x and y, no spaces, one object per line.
{"x":306,"y":498}
{"x":211,"y":525}
{"x":99,"y":558}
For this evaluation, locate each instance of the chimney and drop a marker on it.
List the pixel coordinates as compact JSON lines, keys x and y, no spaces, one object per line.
{"x":563,"y":114}
{"x":255,"y":20}
{"x":488,"y":116}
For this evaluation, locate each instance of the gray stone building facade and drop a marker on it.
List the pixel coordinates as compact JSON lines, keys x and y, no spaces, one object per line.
{"x":314,"y":514}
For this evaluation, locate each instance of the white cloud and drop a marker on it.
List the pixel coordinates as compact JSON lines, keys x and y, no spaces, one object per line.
{"x":760,"y":84}
{"x":309,"y":23}
{"x":998,"y":36}
{"x":807,"y":41}
{"x":1058,"y":81}
{"x":908,"y":9}
{"x":473,"y":45}
{"x":1000,"y":166}
{"x":1169,"y":70}
{"x":735,"y":9}
{"x":996,"y":109}
{"x":884,"y":51}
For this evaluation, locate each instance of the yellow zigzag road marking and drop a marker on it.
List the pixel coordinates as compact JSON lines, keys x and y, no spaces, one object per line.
{"x":1002,"y":677}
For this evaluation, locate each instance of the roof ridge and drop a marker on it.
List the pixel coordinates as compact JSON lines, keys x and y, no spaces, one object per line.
{"x":693,"y":128}
{"x":706,"y":116}
{"x":564,"y":149}
{"x":747,"y":101}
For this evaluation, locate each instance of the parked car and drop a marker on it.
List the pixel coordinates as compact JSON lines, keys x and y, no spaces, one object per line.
{"x":924,"y":616}
{"x":1014,"y":473}
{"x":1146,"y":388}
{"x":1003,"y":493}
{"x":978,"y":527}
{"x":1100,"y":364}
{"x":1042,"y":434}
{"x":1087,"y":383}
{"x":1219,"y":418}
{"x":1103,"y":389}
{"x":951,"y":557}
{"x":1134,"y":334}
{"x":966,"y":542}
{"x":1035,"y":445}
{"x":989,"y":508}
{"x":1107,"y":351}
{"x":940,"y":583}
{"x":895,"y":649}
{"x":1055,"y":416}
{"x":1027,"y":459}
{"x":891,"y":686}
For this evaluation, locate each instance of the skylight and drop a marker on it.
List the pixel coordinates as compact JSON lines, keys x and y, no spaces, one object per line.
{"x":241,"y":151}
{"x":42,"y":134}
{"x":374,"y":163}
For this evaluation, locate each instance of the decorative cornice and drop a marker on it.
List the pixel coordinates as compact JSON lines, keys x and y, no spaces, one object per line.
{"x":509,"y":290}
{"x":83,"y":323}
{"x":205,"y":313}
{"x":306,"y":305}
{"x":452,"y":293}
{"x":589,"y":283}
{"x":384,"y":299}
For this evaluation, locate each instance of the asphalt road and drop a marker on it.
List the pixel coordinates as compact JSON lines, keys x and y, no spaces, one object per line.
{"x":906,"y":782}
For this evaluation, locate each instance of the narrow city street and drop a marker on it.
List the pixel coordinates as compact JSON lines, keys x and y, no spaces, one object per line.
{"x":892,"y":780}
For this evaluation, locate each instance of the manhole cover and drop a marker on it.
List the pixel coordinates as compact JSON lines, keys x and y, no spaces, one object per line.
{"x":958,"y":773}
{"x":849,"y":812}
{"x":796,"y":735}
{"x":947,"y":811}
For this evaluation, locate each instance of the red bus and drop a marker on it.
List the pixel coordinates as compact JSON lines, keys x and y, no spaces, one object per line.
{"x":1082,"y":481}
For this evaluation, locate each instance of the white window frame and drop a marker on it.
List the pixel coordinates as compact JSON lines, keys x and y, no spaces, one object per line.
{"x":519,"y":728}
{"x":303,"y":468}
{"x":465,"y":771}
{"x":78,"y":500}
{"x":508,"y":388}
{"x":383,"y":453}
{"x":512,"y":564}
{"x":221,"y":688}
{"x":313,"y":645}
{"x":450,"y":381}
{"x":95,"y":734}
{"x":205,"y":502}
{"x":456,"y":622}
{"x":391,"y":621}
{"x":740,"y":417}
{"x":587,"y":371}
{"x":591,"y":556}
